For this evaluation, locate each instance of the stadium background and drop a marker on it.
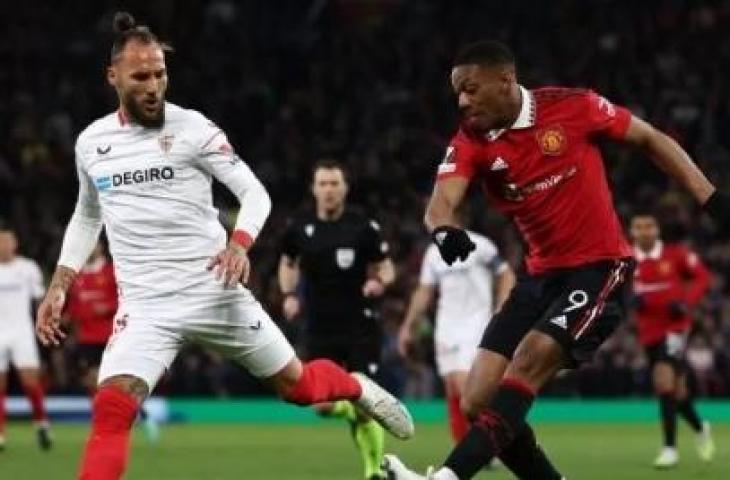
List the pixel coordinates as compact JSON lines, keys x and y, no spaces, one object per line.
{"x":366,"y":81}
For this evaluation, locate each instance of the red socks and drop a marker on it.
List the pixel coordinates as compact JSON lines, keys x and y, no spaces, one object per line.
{"x":107,"y":448}
{"x":457,"y":420}
{"x":34,"y":393}
{"x":323,"y":381}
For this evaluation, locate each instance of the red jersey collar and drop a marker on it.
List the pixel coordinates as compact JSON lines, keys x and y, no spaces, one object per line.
{"x":525,"y":119}
{"x":655,"y":253}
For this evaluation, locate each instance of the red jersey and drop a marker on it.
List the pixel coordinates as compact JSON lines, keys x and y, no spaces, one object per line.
{"x":666,"y":274}
{"x":92,"y":302}
{"x":546,"y":173}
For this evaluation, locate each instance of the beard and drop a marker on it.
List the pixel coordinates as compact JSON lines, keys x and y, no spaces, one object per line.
{"x":140,"y":116}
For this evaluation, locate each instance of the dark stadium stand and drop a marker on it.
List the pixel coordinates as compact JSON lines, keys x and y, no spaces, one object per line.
{"x":367,"y":81}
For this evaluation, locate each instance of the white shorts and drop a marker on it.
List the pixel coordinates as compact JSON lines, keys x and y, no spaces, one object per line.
{"x":456,"y":342}
{"x":20,"y":349}
{"x":147,"y":336}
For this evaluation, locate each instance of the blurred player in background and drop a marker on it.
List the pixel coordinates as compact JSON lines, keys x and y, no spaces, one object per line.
{"x":91,"y":306}
{"x":669,"y":281}
{"x":145,"y":174}
{"x":21,"y":286}
{"x":341,"y":260}
{"x":469,"y":291}
{"x":535,"y":155}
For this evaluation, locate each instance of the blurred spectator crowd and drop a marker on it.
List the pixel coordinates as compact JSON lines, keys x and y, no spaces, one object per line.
{"x":367,"y":81}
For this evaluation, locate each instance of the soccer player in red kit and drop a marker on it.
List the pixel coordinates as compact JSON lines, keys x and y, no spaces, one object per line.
{"x":669,"y":281}
{"x":534,"y":154}
{"x":91,"y":305}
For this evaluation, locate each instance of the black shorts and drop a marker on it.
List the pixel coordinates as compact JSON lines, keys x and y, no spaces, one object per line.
{"x":355,"y":353}
{"x":579,"y":307}
{"x":88,"y":355}
{"x":671,"y":350}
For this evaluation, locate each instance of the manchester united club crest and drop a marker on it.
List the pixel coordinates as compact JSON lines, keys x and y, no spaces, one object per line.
{"x":665,"y":267}
{"x":552,"y":140}
{"x":166,"y":142}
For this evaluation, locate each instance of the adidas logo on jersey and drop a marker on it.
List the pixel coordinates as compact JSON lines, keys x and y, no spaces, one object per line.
{"x":498,"y":164}
{"x":561,"y":321}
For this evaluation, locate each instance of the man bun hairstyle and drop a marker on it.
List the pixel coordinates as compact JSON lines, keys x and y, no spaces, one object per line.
{"x":489,"y":53}
{"x":125,"y":29}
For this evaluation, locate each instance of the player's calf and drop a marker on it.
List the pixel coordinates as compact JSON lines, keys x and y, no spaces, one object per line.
{"x":114,"y":410}
{"x":482,"y":382}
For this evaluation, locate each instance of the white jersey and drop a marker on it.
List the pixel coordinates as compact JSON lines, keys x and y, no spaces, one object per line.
{"x":465,"y":288}
{"x":21,"y":282}
{"x":152,"y":189}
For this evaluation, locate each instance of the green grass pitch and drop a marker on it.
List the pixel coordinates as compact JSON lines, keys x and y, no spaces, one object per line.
{"x":323,"y":451}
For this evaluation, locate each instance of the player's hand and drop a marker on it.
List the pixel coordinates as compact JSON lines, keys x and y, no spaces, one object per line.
{"x":48,"y":318}
{"x":231,"y":265}
{"x":678,"y":310}
{"x":373,"y":288}
{"x":405,"y":339}
{"x":453,"y":243}
{"x":291,"y":306}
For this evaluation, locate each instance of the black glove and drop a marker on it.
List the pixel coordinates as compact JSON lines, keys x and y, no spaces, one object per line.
{"x":718,"y":207}
{"x":678,"y":309}
{"x":636,"y":302}
{"x":453,"y":243}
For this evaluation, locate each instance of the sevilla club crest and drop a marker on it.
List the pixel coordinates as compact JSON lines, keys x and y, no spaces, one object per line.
{"x":166,"y":143}
{"x":552,"y":140}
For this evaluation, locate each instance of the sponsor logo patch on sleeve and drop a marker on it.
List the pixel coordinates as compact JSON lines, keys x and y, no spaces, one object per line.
{"x":447,"y":165}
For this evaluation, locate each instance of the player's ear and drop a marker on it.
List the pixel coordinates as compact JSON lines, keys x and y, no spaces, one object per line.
{"x":507,"y":77}
{"x":111,"y":75}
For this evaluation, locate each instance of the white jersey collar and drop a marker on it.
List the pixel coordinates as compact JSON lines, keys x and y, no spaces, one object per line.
{"x":525,"y":119}
{"x":655,"y":253}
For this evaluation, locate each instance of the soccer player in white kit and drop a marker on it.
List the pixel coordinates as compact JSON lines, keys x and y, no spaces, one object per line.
{"x":469,"y":292}
{"x":145,"y":173}
{"x":21,"y":284}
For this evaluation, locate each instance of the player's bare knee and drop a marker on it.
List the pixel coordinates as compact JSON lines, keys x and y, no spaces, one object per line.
{"x":663,"y":379}
{"x":536,"y":359}
{"x":129,"y":384}
{"x":284,"y":381}
{"x":525,"y":364}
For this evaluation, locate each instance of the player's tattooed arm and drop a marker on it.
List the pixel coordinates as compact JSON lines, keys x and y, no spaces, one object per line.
{"x":63,"y":278}
{"x":48,"y":316}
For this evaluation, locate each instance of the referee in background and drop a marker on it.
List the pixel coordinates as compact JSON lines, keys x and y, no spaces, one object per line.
{"x":340,"y":260}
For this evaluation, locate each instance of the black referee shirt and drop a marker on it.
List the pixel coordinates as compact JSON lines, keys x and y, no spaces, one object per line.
{"x":333,"y":258}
